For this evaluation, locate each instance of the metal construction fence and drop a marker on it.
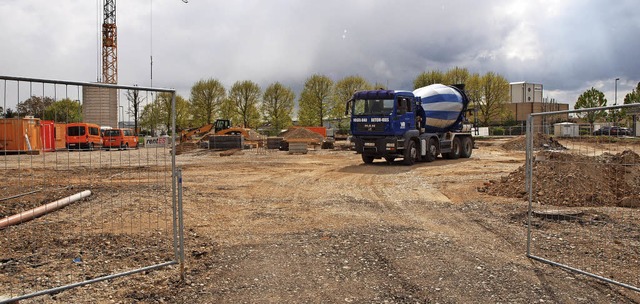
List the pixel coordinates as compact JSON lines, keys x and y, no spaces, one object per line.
{"x":78,"y":208}
{"x":584,"y":200}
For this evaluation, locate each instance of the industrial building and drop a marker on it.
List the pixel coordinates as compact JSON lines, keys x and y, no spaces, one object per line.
{"x":526,"y":98}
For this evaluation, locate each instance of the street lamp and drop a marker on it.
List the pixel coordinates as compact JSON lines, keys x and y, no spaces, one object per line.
{"x":122,"y":116}
{"x":615,"y":98}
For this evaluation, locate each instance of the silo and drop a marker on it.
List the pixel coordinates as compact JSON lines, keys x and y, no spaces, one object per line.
{"x":100,"y":106}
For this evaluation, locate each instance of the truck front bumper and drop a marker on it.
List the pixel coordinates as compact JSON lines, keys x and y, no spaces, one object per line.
{"x":377,"y":147}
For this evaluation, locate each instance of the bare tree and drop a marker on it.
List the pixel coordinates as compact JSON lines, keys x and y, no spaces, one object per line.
{"x":135,"y":101}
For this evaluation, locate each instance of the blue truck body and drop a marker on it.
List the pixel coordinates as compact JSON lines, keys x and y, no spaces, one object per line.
{"x":414,"y":126}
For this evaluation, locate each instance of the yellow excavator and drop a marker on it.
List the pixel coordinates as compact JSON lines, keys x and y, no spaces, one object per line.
{"x":217,"y":126}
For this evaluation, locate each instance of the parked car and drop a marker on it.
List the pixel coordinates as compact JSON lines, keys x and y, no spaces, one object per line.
{"x":613,"y":131}
{"x":119,"y":138}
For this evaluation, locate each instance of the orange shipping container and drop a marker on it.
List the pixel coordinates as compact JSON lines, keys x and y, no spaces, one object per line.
{"x":20,"y":135}
{"x":320,"y":130}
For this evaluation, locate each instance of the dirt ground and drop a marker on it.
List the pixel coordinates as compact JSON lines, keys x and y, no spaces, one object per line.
{"x":272,"y":227}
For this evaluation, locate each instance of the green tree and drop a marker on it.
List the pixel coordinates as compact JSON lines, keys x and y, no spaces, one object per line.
{"x":34,"y":106}
{"x":244,"y":96}
{"x":228,"y":111}
{"x":183,"y":110}
{"x":592,"y":98}
{"x":342,"y":91}
{"x":159,"y":113}
{"x":151,"y":117}
{"x":428,"y":78}
{"x":64,"y":110}
{"x":10,"y":113}
{"x":314,"y":100}
{"x":473,"y":89}
{"x":135,"y":101}
{"x":456,"y":75}
{"x":206,"y":99}
{"x":495,"y":93}
{"x":277,"y":106}
{"x":164,"y":103}
{"x":631,"y":98}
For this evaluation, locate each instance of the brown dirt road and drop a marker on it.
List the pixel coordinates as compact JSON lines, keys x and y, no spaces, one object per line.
{"x":325,"y":228}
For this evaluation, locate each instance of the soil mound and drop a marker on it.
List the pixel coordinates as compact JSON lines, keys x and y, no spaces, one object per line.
{"x":185,"y":147}
{"x":300,"y":134}
{"x":564,"y":179}
{"x":540,"y":142}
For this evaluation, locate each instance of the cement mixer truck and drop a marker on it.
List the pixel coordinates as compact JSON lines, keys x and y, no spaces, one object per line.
{"x":414,"y":126}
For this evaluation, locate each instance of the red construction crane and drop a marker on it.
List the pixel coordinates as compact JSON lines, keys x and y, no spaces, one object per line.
{"x":109,"y":43}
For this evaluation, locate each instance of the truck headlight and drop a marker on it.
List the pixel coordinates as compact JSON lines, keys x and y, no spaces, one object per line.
{"x":369,"y":144}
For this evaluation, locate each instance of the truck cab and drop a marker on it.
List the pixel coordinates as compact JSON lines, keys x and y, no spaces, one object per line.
{"x":379,"y":120}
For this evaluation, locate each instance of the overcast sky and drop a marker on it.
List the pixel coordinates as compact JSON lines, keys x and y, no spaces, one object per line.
{"x":568,"y":46}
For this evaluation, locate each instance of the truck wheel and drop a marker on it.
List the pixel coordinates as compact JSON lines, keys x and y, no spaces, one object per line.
{"x":410,"y":154}
{"x":91,"y":147}
{"x":455,"y":149}
{"x":466,"y":146}
{"x":432,"y":150}
{"x":367,"y":159}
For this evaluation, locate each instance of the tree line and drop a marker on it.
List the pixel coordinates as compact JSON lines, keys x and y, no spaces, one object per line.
{"x":245,"y":104}
{"x":321,"y":100}
{"x":593,"y":98}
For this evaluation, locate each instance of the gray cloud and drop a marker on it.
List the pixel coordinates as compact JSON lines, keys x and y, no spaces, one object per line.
{"x":568,"y":46}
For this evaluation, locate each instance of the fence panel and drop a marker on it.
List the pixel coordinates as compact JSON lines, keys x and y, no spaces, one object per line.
{"x":584,"y":200}
{"x":74,"y":215}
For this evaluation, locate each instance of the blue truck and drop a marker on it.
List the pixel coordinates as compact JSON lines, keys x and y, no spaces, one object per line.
{"x":414,"y":126}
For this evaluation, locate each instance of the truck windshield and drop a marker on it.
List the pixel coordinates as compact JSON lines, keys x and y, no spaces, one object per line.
{"x":373,"y":107}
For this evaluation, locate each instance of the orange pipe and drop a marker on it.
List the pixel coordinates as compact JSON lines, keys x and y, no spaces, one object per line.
{"x":42,"y":210}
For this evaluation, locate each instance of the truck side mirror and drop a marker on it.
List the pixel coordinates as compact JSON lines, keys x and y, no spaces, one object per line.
{"x":346,"y":110}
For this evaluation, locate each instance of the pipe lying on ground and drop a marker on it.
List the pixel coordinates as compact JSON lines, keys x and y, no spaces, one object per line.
{"x":44,"y":209}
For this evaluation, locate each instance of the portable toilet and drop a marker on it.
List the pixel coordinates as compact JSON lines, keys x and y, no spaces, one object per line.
{"x":566,"y":129}
{"x":20,"y":135}
{"x":47,"y":135}
{"x":59,"y":132}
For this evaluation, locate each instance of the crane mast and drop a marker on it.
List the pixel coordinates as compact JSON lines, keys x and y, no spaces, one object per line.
{"x":109,"y":43}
